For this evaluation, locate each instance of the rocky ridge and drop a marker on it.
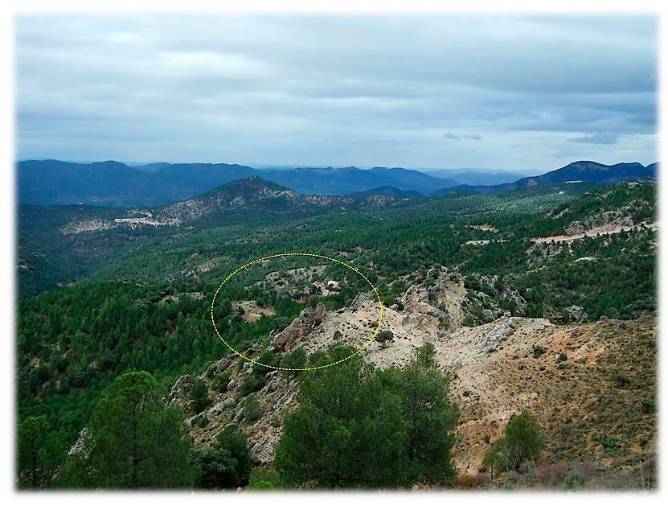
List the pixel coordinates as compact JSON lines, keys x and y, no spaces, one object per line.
{"x":565,"y":374}
{"x":251,"y":194}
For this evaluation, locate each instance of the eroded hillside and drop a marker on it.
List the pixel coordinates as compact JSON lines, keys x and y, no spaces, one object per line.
{"x":592,"y":386}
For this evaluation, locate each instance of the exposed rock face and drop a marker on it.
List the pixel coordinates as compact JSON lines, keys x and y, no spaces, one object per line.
{"x":181,"y":387}
{"x":620,"y":217}
{"x":514,"y":296}
{"x":308,"y":319}
{"x":494,"y":375}
{"x":82,"y":226}
{"x":289,"y":335}
{"x":498,"y":334}
{"x":443,"y":300}
{"x":571,"y":397}
{"x":276,"y":399}
{"x":79,"y":446}
{"x":576,"y":314}
{"x":416,"y":300}
{"x":181,"y":212}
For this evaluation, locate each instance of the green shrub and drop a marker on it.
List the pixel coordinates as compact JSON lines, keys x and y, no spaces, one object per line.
{"x":521,"y":441}
{"x":280,"y":322}
{"x":294,"y":359}
{"x":78,"y":379}
{"x":468,"y":321}
{"x":649,"y":406}
{"x":425,"y":355}
{"x":61,"y":363}
{"x":384,"y":336}
{"x":620,"y":379}
{"x":251,"y":384}
{"x":571,"y":483}
{"x":220,"y":382}
{"x":264,"y":479}
{"x":199,"y":396}
{"x":251,"y":409}
{"x":267,"y":358}
{"x":611,"y":444}
{"x":227,"y":464}
{"x":494,"y":461}
{"x":472,"y":283}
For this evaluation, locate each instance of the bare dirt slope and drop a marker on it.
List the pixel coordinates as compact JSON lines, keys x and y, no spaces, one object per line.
{"x":592,"y":386}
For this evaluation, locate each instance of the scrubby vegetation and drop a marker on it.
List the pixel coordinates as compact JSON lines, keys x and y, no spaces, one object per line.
{"x":521,"y":442}
{"x":358,"y":427}
{"x":139,"y":302}
{"x":134,"y":441}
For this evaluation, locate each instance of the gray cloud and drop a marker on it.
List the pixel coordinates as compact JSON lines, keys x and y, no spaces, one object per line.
{"x":454,"y":137}
{"x":597,"y":138}
{"x":338,"y":90}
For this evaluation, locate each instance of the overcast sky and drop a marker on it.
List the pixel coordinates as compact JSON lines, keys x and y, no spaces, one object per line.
{"x":425,"y":91}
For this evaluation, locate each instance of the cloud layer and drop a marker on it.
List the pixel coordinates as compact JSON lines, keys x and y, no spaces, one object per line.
{"x":503,"y":92}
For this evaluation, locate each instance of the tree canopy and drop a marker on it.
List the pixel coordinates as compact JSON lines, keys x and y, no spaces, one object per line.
{"x":135,"y":440}
{"x":358,"y":427}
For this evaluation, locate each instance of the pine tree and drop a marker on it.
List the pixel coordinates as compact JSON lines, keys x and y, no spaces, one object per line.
{"x":199,"y":396}
{"x":227,"y":464}
{"x":348,"y":430}
{"x":32,"y":451}
{"x":431,"y":418}
{"x":135,"y":440}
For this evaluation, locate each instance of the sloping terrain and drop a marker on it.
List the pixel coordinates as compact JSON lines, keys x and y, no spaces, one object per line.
{"x":54,"y":182}
{"x":592,"y":386}
{"x":115,"y":184}
{"x":236,"y":200}
{"x":59,"y":244}
{"x":561,"y":328}
{"x":579,"y":172}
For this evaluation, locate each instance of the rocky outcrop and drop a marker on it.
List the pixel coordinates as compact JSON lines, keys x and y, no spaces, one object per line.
{"x":497,"y":335}
{"x":180,"y":388}
{"x":442,"y":300}
{"x":285,"y":339}
{"x":79,"y":447}
{"x":83,"y":226}
{"x":308,"y":319}
{"x":576,"y":314}
{"x":494,"y":371}
{"x":276,"y":399}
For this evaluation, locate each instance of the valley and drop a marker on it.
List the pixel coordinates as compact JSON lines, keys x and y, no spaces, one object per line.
{"x":540,"y":298}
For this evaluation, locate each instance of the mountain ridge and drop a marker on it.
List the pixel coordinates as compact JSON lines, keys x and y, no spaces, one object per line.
{"x":582,"y":171}
{"x":115,"y":184}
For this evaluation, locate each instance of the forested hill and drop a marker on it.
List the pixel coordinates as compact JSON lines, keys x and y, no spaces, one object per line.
{"x":110,"y":183}
{"x":573,"y":173}
{"x":60,"y":244}
{"x":48,"y":182}
{"x":568,"y":255}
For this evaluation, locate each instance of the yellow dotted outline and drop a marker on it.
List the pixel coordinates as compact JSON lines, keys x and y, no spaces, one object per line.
{"x":381,"y":313}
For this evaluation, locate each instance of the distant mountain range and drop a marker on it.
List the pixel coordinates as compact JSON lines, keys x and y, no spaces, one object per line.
{"x":347,"y":180}
{"x":576,"y":172}
{"x":110,"y":183}
{"x":248,"y":199}
{"x":476,"y":176}
{"x":257,"y":194}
